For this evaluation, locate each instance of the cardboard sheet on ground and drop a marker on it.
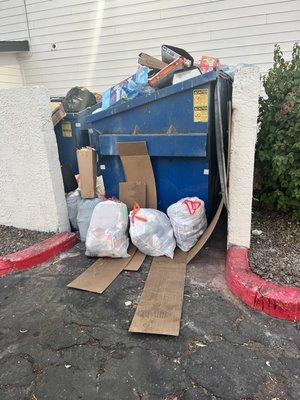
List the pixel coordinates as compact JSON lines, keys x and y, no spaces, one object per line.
{"x":160,"y":306}
{"x":206,"y":235}
{"x":136,"y":261}
{"x":138,"y":168}
{"x":102,"y":273}
{"x":159,"y":309}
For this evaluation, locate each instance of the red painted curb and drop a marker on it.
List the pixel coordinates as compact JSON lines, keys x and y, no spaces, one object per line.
{"x":278,"y":301}
{"x":38,"y":253}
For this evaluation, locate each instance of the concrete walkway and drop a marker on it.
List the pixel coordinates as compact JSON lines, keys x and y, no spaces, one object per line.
{"x":62,"y":344}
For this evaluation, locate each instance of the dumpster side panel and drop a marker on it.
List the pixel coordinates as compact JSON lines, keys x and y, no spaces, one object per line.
{"x":69,"y":137}
{"x":178,"y":177}
{"x":172,"y":113}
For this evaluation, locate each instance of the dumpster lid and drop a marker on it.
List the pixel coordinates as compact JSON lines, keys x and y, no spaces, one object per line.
{"x":204,"y":79}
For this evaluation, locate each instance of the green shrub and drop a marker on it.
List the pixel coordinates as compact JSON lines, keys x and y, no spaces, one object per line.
{"x":278,"y":146}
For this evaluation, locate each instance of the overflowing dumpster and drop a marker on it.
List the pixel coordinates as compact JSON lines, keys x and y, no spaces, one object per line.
{"x":178,"y":125}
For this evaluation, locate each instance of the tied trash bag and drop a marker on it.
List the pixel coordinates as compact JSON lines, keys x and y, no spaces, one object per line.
{"x":107,"y":234}
{"x":151,"y":232}
{"x":84,"y":215}
{"x":78,"y":99}
{"x":188,"y":220}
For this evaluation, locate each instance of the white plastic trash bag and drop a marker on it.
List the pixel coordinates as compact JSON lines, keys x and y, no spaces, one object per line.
{"x":107,"y":234}
{"x":84,"y":215}
{"x":151,"y":232}
{"x":72,"y":200}
{"x":188,"y":220}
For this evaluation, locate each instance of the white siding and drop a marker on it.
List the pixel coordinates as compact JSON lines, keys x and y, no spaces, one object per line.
{"x":10,"y":71}
{"x":97,"y":42}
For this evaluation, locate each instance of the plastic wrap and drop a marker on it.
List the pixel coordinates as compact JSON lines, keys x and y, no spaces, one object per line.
{"x":151,"y":232}
{"x":84,"y":215}
{"x":107,"y":234}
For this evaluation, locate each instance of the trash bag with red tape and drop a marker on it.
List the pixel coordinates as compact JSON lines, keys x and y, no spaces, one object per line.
{"x":188,"y":220}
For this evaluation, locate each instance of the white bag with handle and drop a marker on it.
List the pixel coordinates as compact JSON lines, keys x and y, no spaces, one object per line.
{"x":151,"y":232}
{"x":107,"y":234}
{"x":188,"y":220}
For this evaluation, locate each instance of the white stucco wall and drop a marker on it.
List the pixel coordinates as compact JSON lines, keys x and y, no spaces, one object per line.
{"x":31,"y":187}
{"x":246,"y":89}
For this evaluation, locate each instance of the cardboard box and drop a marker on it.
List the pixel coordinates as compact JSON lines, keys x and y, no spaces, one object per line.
{"x":165,"y":76}
{"x":58,"y":112}
{"x":87,"y":165}
{"x":208,"y":63}
{"x":138,"y":168}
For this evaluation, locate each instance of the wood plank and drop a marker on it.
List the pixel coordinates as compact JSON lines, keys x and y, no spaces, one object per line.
{"x":160,"y":306}
{"x":101,"y":274}
{"x":136,"y":261}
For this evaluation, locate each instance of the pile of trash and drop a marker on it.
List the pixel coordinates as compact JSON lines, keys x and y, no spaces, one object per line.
{"x":176,"y":65}
{"x":102,"y":223}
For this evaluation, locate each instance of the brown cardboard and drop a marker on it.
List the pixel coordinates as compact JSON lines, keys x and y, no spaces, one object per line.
{"x":136,"y":261}
{"x":132,"y":192}
{"x":160,"y":307}
{"x":138,"y":168}
{"x":101,"y":274}
{"x":87,"y":165}
{"x":206,"y":235}
{"x":58,"y":112}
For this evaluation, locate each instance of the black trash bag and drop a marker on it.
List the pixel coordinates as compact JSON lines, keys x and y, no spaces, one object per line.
{"x":78,"y":99}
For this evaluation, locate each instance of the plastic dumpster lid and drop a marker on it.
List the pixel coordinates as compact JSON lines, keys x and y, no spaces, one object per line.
{"x":147,"y":98}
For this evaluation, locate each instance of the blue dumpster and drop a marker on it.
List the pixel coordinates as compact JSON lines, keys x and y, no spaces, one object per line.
{"x":177,"y":123}
{"x":70,"y":137}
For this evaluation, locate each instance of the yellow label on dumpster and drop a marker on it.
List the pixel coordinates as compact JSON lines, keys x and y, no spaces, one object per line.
{"x":66,"y":129}
{"x":200,"y":105}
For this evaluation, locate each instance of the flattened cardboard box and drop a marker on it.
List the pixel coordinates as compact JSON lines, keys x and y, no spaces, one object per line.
{"x":87,"y":165}
{"x":131,"y":193}
{"x":138,"y":168}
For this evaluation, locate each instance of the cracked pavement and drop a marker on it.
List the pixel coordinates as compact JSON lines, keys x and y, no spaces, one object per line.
{"x":63,"y":344}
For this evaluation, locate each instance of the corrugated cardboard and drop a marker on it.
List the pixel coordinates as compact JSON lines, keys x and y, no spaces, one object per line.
{"x":58,"y":112}
{"x":138,"y":168}
{"x":136,"y":261}
{"x":206,"y":235}
{"x":87,"y":165}
{"x":132,"y":192}
{"x":102,"y":273}
{"x":159,"y":309}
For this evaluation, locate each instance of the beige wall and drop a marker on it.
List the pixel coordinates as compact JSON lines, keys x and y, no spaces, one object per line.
{"x":10,"y":71}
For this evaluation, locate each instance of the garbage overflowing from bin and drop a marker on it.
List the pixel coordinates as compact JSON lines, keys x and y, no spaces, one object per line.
{"x":148,"y":180}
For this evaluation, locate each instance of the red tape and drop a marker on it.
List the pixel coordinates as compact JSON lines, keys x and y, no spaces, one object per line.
{"x":192,"y":205}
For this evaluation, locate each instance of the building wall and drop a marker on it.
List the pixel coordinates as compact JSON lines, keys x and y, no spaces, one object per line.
{"x":95,"y":43}
{"x":10,"y":71}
